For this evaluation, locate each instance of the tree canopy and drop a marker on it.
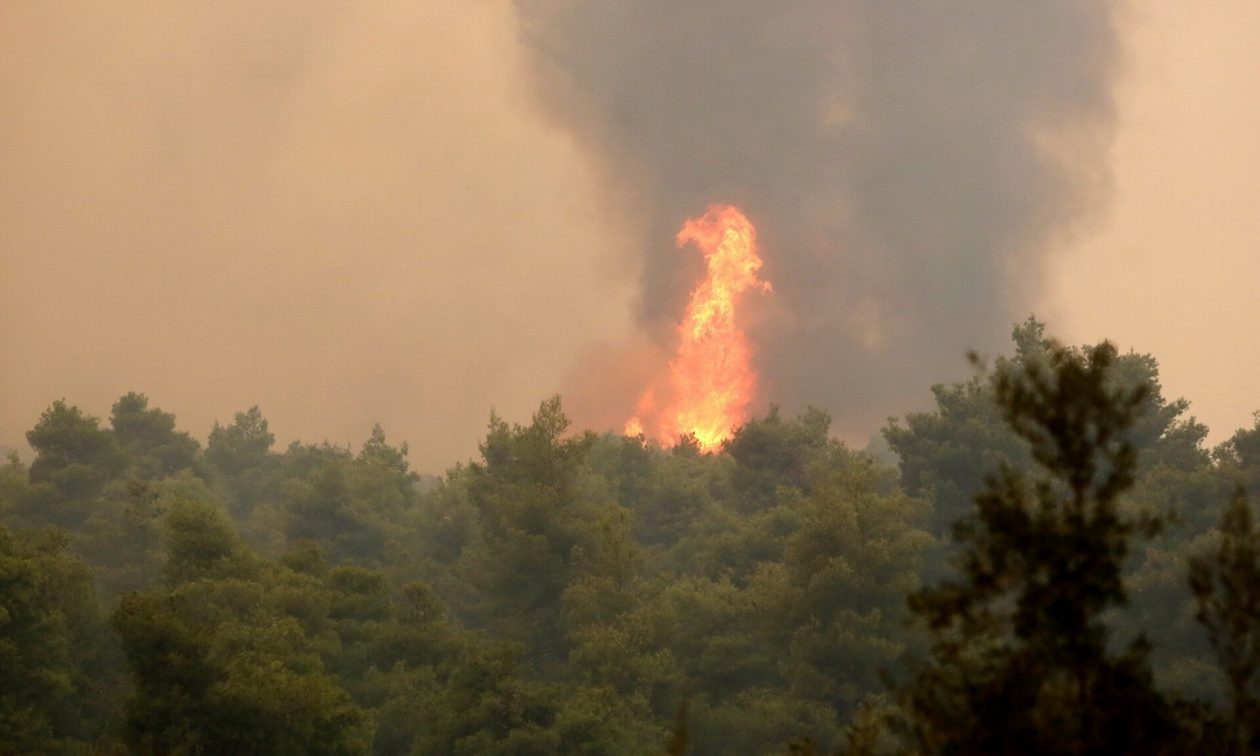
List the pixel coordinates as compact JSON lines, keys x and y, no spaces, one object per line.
{"x":1052,"y":562}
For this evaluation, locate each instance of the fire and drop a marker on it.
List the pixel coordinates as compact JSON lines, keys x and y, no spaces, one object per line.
{"x":711,"y":380}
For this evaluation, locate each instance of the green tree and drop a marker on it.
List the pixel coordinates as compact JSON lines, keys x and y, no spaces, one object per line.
{"x":1227,"y":593}
{"x":150,"y":439}
{"x":322,"y":501}
{"x":122,"y":539}
{"x":241,"y":453}
{"x":351,"y":506}
{"x":667,"y":492}
{"x":947,"y":454}
{"x":771,"y":453}
{"x":74,"y":459}
{"x":1020,"y":658}
{"x":60,"y":681}
{"x":849,"y":567}
{"x":1240,"y":457}
{"x":227,"y":656}
{"x":530,"y":521}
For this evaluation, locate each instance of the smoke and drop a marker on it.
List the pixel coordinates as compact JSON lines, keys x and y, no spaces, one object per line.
{"x":908,"y":165}
{"x":355,"y":213}
{"x":346,"y":213}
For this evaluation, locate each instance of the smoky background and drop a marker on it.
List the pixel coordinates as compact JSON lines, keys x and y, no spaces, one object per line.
{"x":908,"y":166}
{"x":412,"y":213}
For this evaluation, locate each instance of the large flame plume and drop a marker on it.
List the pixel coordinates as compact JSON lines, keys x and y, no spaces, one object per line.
{"x":711,"y":380}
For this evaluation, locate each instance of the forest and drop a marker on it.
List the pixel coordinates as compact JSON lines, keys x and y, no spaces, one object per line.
{"x":1051,"y":560}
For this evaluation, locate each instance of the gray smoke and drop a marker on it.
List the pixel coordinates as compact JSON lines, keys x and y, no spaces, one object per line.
{"x":908,"y":164}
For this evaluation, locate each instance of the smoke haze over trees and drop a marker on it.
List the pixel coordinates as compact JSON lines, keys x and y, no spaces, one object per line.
{"x":571,"y":592}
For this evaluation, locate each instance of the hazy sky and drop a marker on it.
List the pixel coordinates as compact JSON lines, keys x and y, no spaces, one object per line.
{"x":346,"y":213}
{"x":1173,"y":267}
{"x":358,"y":213}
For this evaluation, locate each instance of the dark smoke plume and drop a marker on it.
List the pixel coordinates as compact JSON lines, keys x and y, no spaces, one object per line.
{"x":908,"y":163}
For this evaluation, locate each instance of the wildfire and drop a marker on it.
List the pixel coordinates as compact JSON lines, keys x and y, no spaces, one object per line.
{"x":711,"y":380}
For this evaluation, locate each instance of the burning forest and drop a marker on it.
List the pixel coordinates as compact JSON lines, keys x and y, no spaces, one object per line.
{"x":614,"y":377}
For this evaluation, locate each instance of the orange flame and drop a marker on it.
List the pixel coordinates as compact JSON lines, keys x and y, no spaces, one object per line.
{"x":711,"y":380}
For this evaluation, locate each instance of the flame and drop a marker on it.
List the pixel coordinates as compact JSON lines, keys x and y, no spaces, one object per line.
{"x":711,"y":380}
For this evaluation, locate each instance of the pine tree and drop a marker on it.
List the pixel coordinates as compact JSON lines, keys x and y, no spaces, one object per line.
{"x":1020,"y":660}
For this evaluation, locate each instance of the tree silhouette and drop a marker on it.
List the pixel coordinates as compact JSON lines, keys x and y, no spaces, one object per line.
{"x":1227,"y":591}
{"x":1020,"y":660}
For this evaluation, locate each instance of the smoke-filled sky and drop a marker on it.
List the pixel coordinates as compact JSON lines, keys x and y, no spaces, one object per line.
{"x":409,"y":213}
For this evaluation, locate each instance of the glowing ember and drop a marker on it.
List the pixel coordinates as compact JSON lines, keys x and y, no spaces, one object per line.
{"x":711,"y":380}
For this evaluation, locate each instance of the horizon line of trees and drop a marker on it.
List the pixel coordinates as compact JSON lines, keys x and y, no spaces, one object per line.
{"x":1054,"y":563}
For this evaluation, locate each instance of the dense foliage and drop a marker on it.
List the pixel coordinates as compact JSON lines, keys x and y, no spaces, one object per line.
{"x":569,"y":592}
